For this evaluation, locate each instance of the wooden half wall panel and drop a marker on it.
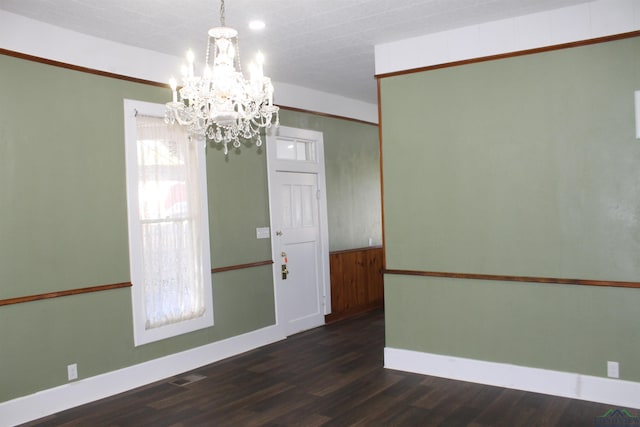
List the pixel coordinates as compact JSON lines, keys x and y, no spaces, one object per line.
{"x":356,"y":282}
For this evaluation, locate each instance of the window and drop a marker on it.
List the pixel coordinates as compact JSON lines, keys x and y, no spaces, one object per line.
{"x":168,"y":226}
{"x":295,"y":149}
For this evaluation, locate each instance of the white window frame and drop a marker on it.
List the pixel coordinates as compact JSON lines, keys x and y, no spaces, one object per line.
{"x":140,"y":333}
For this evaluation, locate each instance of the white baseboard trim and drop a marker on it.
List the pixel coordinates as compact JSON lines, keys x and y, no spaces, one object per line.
{"x":50,"y":401}
{"x":565,"y":384}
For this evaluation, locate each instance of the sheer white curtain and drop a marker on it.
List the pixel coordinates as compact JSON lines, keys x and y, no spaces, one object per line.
{"x":169,"y":209}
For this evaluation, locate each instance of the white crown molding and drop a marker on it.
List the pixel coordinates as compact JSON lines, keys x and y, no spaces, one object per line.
{"x":564,"y":384}
{"x":47,"y":402}
{"x":322,"y":102}
{"x":24,"y":35}
{"x":585,"y":21}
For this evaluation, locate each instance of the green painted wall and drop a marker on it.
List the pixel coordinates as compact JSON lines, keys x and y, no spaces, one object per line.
{"x":238,"y":203}
{"x":524,"y":166}
{"x":63,"y":224}
{"x":563,"y":328}
{"x":352,"y":163}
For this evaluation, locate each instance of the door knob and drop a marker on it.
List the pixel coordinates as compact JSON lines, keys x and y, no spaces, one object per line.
{"x":278,"y":233}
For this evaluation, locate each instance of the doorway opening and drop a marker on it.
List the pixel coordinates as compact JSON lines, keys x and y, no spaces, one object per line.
{"x":299,"y":233}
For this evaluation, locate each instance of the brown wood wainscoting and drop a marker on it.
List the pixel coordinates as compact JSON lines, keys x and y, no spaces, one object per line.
{"x":356,"y":282}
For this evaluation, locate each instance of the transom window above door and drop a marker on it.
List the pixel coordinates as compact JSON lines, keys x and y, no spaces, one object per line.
{"x":296,"y":149}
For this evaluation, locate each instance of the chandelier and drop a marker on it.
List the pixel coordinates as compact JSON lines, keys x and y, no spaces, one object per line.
{"x":221,"y":105}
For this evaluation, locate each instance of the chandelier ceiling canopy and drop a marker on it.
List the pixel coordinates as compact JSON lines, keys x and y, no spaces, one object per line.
{"x":221,"y":104}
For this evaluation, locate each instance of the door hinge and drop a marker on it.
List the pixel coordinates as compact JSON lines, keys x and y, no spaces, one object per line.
{"x":318,"y":194}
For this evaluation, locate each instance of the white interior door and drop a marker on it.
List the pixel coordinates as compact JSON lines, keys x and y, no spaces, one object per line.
{"x":298,"y":228}
{"x":299,"y":283}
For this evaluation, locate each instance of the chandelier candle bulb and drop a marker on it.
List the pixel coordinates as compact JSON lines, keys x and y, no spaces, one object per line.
{"x":190,"y":59}
{"x":174,"y":84}
{"x":260,"y":62}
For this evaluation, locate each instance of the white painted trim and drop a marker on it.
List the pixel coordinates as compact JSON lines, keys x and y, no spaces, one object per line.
{"x":25,"y":35}
{"x":584,"y":21}
{"x":565,"y":384}
{"x":142,"y":335}
{"x":273,"y":166}
{"x":322,"y":102}
{"x":87,"y":390}
{"x":637,"y":107}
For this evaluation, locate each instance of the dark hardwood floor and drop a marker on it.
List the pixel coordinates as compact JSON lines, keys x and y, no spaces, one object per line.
{"x":330,"y":376}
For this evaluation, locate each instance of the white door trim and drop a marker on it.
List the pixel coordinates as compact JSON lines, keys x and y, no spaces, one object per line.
{"x":317,"y":167}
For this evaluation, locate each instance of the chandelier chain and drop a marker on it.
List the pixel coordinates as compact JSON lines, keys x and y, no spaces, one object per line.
{"x":206,"y":55}
{"x":238,"y":64}
{"x":222,"y":13}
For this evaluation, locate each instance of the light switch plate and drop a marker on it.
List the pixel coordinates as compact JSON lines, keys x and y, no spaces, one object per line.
{"x":262,"y":233}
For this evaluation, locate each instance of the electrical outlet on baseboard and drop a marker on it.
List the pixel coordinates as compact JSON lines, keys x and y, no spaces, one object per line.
{"x":72,"y":372}
{"x":613,"y":369}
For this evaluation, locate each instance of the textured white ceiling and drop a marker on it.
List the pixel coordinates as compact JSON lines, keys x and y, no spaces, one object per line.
{"x":326,"y":45}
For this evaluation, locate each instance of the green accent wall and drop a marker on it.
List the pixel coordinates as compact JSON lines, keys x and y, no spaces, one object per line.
{"x":238,"y":203}
{"x":526,"y":166}
{"x":563,"y":328}
{"x":63,"y":224}
{"x":352,"y":165}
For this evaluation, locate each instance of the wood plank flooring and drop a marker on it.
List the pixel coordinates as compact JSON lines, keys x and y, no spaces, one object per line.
{"x":329,"y":376}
